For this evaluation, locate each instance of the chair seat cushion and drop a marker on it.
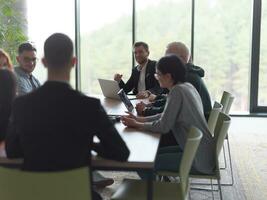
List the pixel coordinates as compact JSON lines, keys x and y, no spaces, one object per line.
{"x":168,"y":162}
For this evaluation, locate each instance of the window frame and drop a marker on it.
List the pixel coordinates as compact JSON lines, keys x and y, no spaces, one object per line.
{"x":255,"y":49}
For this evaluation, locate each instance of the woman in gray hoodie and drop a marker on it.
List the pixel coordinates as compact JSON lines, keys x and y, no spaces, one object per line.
{"x":183,"y":109}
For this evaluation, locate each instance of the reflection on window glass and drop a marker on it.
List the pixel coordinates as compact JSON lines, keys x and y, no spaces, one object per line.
{"x":159,"y":22}
{"x":262,"y":95}
{"x":44,"y":20}
{"x":106,"y":40}
{"x":222,"y":47}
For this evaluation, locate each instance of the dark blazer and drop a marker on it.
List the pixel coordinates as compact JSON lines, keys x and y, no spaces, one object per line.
{"x":52,"y":129}
{"x":5,"y":111}
{"x":151,"y":83}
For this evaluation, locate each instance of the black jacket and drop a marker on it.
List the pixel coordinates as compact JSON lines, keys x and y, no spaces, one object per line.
{"x":52,"y":129}
{"x":5,"y":111}
{"x":194,"y":76}
{"x":151,"y":83}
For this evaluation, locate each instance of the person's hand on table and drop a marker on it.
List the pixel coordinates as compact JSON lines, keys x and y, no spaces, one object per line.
{"x":130,"y":115}
{"x":140,"y":107}
{"x":132,"y":121}
{"x":152,"y":97}
{"x":129,"y":122}
{"x":117,"y":77}
{"x":143,"y":94}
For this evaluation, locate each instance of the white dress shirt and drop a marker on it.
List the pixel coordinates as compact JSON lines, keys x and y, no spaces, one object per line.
{"x":142,"y":78}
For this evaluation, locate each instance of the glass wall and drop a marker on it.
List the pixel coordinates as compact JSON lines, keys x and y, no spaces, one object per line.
{"x":159,"y":22}
{"x":262,"y":94}
{"x":45,"y":18}
{"x":222,"y":47}
{"x":106,"y":40}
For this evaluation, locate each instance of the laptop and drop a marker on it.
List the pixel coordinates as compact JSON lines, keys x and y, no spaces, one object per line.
{"x":125,"y":100}
{"x":109,"y":88}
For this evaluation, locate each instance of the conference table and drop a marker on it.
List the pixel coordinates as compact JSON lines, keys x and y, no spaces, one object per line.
{"x":143,"y":147}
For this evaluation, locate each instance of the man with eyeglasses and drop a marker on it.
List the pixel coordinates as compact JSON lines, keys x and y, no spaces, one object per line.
{"x":26,"y":58}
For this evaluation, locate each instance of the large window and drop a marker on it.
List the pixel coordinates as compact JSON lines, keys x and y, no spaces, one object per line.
{"x":262,"y":94}
{"x":45,"y":18}
{"x":159,"y":22}
{"x":222,"y":47}
{"x":227,"y":43}
{"x":106,"y":40}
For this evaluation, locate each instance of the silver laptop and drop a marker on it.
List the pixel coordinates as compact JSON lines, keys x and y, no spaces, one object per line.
{"x":109,"y":88}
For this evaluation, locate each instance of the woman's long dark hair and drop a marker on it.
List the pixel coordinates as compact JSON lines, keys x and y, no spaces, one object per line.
{"x":7,"y":95}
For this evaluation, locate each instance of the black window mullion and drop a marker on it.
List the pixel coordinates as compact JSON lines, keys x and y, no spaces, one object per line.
{"x":255,"y":57}
{"x":192,"y":30}
{"x":133,"y":31}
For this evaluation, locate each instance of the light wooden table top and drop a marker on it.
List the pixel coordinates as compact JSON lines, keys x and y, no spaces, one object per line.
{"x":143,"y":145}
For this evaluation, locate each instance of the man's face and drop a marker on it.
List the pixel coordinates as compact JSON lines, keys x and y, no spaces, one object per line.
{"x":27,"y":61}
{"x":141,"y":55}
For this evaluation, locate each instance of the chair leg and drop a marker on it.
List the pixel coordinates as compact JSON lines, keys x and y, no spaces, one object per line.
{"x":189,"y":194}
{"x":220,"y":188}
{"x":230,"y":161}
{"x":224,"y":159}
{"x":212,"y":189}
{"x":230,"y":164}
{"x":204,"y":184}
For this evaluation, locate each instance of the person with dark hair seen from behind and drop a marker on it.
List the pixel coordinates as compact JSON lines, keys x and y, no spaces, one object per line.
{"x":142,"y":81}
{"x":5,"y":61}
{"x":53,"y":127}
{"x":27,"y":61}
{"x":194,"y":75}
{"x":7,"y":95}
{"x":183,"y":109}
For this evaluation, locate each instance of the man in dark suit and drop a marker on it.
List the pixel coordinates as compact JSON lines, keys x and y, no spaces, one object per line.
{"x":52,"y":128}
{"x":142,"y":81}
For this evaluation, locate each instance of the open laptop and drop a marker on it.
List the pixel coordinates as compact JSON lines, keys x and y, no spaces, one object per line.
{"x":125,"y":100}
{"x":110,"y":88}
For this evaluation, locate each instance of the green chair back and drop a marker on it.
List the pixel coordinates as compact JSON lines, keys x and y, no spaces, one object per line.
{"x":64,"y":185}
{"x":229,"y":105}
{"x":225,"y":99}
{"x":217,"y":108}
{"x":221,"y":130}
{"x":191,"y":146}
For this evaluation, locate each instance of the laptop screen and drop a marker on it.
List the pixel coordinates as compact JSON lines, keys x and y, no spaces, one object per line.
{"x":125,"y":100}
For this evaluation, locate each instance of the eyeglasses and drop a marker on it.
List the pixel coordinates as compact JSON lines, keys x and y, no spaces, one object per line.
{"x":28,"y":60}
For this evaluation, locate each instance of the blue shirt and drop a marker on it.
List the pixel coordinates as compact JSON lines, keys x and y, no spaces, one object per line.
{"x":24,"y":82}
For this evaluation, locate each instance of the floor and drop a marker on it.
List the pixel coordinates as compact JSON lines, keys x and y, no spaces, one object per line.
{"x":248,"y":143}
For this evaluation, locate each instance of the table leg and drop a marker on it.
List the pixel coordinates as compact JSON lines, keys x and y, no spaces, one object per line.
{"x":150,"y":186}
